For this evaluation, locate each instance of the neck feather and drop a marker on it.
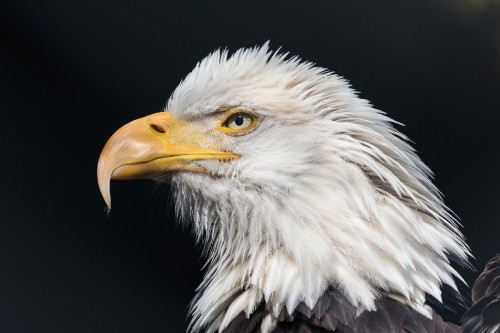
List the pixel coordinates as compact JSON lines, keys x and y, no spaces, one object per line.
{"x":270,"y":247}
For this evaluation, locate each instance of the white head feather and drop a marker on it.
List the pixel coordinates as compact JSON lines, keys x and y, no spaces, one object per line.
{"x":326,"y":192}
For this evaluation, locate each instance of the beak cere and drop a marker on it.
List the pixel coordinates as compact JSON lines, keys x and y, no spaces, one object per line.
{"x":151,"y":146}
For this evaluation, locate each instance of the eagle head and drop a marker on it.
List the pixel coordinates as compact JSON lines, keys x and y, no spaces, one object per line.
{"x":293,"y":184}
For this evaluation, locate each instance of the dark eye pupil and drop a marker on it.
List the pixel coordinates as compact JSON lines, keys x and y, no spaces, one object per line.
{"x":239,"y":120}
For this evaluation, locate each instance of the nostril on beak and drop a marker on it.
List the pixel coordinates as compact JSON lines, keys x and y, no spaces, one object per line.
{"x":157,"y":128}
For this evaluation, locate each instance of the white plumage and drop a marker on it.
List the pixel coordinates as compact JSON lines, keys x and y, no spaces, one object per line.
{"x":326,"y":192}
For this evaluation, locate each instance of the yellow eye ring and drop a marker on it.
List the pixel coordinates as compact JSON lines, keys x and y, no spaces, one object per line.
{"x":238,"y":122}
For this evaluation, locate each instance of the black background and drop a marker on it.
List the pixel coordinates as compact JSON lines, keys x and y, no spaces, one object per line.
{"x":72,"y":72}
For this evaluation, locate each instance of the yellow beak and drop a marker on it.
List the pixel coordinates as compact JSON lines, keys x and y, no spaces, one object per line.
{"x":148,"y":147}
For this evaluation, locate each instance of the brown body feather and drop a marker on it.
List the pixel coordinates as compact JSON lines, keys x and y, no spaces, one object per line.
{"x":334,"y":313}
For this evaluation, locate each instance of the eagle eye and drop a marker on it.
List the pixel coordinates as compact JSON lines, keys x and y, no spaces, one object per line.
{"x":239,"y":122}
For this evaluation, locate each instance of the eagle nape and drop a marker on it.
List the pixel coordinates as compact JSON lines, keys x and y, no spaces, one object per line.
{"x":316,"y":214}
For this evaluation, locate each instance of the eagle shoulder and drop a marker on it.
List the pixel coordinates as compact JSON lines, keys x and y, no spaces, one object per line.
{"x":484,"y":314}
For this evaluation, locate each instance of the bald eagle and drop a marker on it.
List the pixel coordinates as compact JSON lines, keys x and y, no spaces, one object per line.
{"x":315,"y":212}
